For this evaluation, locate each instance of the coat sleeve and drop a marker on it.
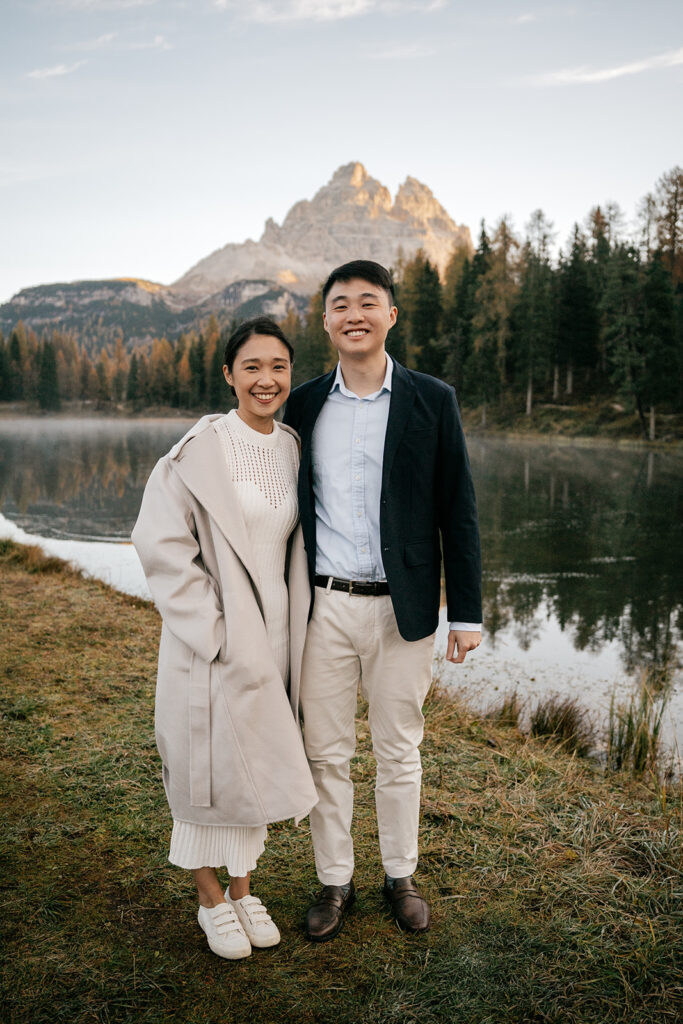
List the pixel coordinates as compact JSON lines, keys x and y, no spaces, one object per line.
{"x":457,"y":514}
{"x":165,"y":540}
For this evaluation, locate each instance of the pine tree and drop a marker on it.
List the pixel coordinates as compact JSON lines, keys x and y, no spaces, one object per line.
{"x":421,"y":309}
{"x":184,"y":378}
{"x":212,"y":338}
{"x":494,"y":299}
{"x":48,"y":386}
{"x":197,"y":357}
{"x":119,"y":370}
{"x":88,"y":385}
{"x":18,"y":358}
{"x":132,"y":384}
{"x":103,"y":369}
{"x":314,"y":354}
{"x":396,"y":338}
{"x":5,"y":380}
{"x":577,"y":334}
{"x":459,"y":314}
{"x":669,"y":191}
{"x":218,"y":393}
{"x":621,"y":306}
{"x":661,"y":362}
{"x":534,"y":315}
{"x":161,"y":371}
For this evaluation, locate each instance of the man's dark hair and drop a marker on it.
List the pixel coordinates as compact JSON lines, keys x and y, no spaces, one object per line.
{"x":367,"y":270}
{"x":245,"y":331}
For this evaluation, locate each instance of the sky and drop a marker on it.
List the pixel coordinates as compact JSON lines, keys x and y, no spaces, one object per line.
{"x":138,"y":136}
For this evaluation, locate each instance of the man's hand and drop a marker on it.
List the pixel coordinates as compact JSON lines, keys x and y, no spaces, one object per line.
{"x":464,"y":641}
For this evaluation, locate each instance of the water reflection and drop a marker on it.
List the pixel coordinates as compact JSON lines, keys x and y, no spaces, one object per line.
{"x":592,"y":537}
{"x":586,"y":541}
{"x":79,"y":478}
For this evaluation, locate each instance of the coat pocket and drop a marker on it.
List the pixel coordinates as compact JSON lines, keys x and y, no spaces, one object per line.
{"x":418,"y":553}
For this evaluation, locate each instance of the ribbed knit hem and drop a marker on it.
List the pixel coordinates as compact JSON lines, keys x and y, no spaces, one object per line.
{"x":236,"y":847}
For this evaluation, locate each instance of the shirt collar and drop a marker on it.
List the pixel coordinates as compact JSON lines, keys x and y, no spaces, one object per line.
{"x":339,"y":384}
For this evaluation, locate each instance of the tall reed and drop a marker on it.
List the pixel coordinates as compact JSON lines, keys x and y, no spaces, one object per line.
{"x":634,"y":731}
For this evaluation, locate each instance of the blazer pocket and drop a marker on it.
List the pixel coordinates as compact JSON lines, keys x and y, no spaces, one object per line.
{"x":420,"y":432}
{"x":419,"y":553}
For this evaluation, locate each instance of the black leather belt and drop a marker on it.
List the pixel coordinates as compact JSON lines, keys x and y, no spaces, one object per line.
{"x":362,"y":588}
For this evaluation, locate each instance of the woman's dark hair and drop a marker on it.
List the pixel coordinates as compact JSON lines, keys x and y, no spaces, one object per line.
{"x":246,"y":330}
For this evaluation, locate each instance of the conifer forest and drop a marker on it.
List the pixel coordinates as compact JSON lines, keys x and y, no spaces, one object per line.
{"x":515,"y":323}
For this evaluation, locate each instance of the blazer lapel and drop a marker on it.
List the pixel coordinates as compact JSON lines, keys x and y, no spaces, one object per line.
{"x":314,"y":403}
{"x":402,"y":398}
{"x":206,"y":475}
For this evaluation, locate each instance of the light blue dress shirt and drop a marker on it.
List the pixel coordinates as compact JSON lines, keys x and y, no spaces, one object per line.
{"x":348,"y":447}
{"x":347,"y":454}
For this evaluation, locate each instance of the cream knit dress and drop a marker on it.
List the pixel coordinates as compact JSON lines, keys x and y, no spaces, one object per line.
{"x":263,"y":468}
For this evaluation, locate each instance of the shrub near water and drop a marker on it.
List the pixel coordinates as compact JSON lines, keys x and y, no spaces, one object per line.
{"x":634,"y":731}
{"x":556,"y":889}
{"x":565,"y":721}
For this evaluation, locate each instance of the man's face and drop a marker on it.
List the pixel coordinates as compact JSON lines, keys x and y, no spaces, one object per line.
{"x":358,"y":316}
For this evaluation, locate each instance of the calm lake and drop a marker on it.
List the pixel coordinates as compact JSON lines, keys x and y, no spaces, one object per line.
{"x":583,"y":546}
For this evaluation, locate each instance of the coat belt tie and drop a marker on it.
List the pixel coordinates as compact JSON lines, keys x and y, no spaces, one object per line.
{"x":200,"y":733}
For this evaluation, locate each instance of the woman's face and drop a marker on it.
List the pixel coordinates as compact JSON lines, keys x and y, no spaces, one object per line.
{"x":262,"y":378}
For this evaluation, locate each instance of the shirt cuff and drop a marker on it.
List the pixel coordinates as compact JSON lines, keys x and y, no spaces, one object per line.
{"x":467,"y":627}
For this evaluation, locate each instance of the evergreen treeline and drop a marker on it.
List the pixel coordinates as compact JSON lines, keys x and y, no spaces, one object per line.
{"x":506,"y":326}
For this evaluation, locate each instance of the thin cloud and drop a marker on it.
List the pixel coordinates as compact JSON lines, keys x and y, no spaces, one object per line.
{"x":106,"y":5}
{"x":523,"y":19}
{"x":56,"y":71}
{"x":158,"y":43}
{"x":401,"y":52}
{"x":95,"y":44}
{"x":584,"y":76}
{"x":268,"y":11}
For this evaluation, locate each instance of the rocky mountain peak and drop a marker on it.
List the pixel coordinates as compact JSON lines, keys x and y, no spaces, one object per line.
{"x":351,"y":217}
{"x":416,"y":202}
{"x":353,"y":174}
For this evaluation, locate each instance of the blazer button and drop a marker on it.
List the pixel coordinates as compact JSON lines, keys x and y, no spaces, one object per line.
{"x":386,"y":549}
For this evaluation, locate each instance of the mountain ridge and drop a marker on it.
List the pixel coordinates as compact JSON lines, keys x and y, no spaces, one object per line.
{"x":352,"y":216}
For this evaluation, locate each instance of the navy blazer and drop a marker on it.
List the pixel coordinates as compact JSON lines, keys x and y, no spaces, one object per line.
{"x":427,"y":506}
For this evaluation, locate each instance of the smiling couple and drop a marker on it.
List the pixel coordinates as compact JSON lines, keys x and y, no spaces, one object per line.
{"x":291,"y":563}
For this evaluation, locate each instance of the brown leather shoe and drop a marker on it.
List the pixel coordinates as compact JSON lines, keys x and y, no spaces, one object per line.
{"x":408,"y":905}
{"x":325,"y":917}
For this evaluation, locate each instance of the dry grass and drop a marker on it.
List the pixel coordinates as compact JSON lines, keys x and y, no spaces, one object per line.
{"x":563,"y":720}
{"x":556,"y":889}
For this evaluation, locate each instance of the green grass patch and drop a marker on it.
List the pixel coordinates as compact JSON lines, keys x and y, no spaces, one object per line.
{"x":556,"y":888}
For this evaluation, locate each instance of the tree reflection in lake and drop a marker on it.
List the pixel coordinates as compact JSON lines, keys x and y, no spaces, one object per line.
{"x":587,"y":540}
{"x":79,"y":478}
{"x":593,"y":536}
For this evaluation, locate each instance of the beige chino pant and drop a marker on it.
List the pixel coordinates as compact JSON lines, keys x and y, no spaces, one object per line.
{"x":351,"y":640}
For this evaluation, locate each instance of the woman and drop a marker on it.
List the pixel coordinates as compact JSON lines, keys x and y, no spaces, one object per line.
{"x":228,"y":575}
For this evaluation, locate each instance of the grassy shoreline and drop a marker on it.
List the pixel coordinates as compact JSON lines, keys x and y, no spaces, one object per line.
{"x":556,"y":889}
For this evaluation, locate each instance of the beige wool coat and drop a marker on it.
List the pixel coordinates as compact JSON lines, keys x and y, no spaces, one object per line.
{"x":226,"y":728}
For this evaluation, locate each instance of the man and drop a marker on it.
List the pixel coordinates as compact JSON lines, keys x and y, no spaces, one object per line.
{"x":384,"y":480}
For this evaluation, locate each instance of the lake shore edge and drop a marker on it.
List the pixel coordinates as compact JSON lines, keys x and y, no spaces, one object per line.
{"x":594,"y":424}
{"x":550,"y":881}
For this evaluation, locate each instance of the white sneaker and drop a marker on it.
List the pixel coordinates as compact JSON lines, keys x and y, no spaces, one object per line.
{"x":256,"y":921}
{"x":225,"y":934}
